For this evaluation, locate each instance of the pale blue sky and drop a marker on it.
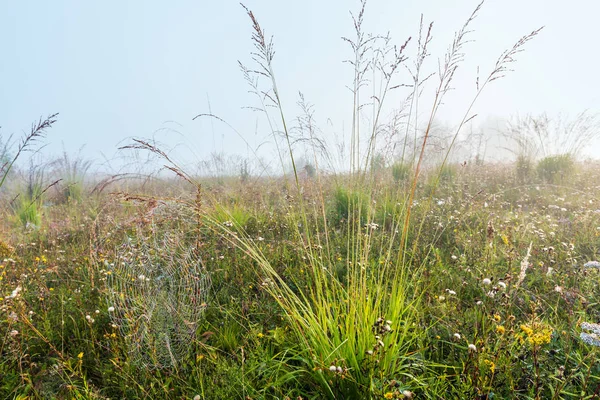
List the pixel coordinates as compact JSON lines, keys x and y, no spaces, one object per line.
{"x":116,"y":69}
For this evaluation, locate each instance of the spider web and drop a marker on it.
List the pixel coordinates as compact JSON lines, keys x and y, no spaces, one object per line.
{"x":159,"y":289}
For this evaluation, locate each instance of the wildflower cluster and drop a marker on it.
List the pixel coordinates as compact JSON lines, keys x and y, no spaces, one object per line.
{"x":536,"y":334}
{"x":592,"y":336}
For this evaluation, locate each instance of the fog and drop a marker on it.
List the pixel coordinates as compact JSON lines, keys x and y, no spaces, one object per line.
{"x":145,"y":69}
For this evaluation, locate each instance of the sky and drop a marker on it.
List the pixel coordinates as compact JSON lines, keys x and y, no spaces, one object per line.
{"x":121,"y":69}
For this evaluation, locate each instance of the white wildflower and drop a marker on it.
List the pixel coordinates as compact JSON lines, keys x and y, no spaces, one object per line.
{"x":588,"y":326}
{"x":592,"y":264}
{"x":524,"y":265}
{"x":558,"y":289}
{"x":373,"y":226}
{"x":15,"y":292}
{"x":472,"y":347}
{"x":502,"y":285}
{"x":592,"y":337}
{"x":486,"y":281}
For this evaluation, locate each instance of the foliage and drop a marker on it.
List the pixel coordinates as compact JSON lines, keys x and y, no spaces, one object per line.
{"x":401,"y":172}
{"x":72,"y":173}
{"x":555,"y":169}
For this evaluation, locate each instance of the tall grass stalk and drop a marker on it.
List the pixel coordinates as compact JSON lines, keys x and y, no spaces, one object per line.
{"x":355,"y":333}
{"x":342,"y":343}
{"x":37,"y":132}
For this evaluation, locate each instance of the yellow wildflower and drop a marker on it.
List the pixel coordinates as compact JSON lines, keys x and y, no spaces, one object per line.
{"x":491,"y":365}
{"x":389,"y":395}
{"x":500,"y":329}
{"x":537,"y":333}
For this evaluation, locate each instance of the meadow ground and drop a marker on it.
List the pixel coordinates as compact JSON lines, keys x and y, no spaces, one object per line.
{"x":243,"y":290}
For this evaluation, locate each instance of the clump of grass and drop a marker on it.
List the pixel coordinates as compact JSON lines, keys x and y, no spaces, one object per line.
{"x":348,"y":205}
{"x":72,"y":173}
{"x":27,"y":205}
{"x":524,"y":169}
{"x":356,"y":332}
{"x":28,"y":212}
{"x":401,"y":172}
{"x":555,"y":169}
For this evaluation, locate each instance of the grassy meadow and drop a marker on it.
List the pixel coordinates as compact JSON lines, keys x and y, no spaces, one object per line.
{"x":285,"y":302}
{"x":401,"y":276}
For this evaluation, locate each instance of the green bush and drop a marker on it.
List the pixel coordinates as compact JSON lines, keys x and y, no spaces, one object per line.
{"x":554,"y":169}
